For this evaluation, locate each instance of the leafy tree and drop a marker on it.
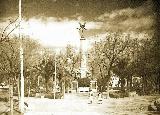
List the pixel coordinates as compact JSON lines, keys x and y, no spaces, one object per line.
{"x":144,"y":65}
{"x":156,"y":40}
{"x":68,"y":64}
{"x":121,"y":71}
{"x":106,"y":56}
{"x":83,"y":82}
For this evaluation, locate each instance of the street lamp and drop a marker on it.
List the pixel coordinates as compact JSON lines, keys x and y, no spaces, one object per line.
{"x":21,"y":105}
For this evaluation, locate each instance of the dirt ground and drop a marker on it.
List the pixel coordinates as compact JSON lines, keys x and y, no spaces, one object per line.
{"x":79,"y":104}
{"x":129,"y":106}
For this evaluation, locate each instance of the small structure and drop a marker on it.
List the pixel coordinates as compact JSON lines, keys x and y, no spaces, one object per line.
{"x":83,"y":89}
{"x":114,"y":81}
{"x":4,"y":92}
{"x":93,"y":85}
{"x":74,"y":86}
{"x":4,"y":88}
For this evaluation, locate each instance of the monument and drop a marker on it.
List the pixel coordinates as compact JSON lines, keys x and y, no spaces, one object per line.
{"x":83,"y":57}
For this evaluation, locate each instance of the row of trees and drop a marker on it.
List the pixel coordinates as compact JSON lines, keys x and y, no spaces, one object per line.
{"x":39,"y":63}
{"x":127,"y":57}
{"x":118,"y":54}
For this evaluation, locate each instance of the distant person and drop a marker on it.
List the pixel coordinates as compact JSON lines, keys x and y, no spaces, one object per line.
{"x":90,"y":97}
{"x":100,"y":98}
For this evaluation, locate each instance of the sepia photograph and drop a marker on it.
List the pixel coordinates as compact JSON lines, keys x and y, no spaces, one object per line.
{"x":79,"y":57}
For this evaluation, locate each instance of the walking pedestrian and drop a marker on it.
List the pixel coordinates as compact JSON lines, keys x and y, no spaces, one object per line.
{"x":91,"y":97}
{"x":99,"y":98}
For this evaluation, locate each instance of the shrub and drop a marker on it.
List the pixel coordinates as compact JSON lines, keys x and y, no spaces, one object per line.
{"x":114,"y":95}
{"x":124,"y":94}
{"x":4,"y":96}
{"x":118,"y":94}
{"x":83,"y":82}
{"x":51,"y":95}
{"x":4,"y":99}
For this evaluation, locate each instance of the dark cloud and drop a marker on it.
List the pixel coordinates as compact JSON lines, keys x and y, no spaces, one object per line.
{"x":113,"y":15}
{"x":139,"y":19}
{"x":8,"y":8}
{"x":88,"y":9}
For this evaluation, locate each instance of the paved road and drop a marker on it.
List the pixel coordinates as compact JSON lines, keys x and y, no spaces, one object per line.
{"x":77,"y":104}
{"x":73,"y":104}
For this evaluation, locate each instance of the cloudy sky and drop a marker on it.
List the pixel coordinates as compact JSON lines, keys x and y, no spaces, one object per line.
{"x":55,"y":21}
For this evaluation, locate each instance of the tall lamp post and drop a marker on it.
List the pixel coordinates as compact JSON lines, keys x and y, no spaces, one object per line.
{"x":21,"y":61}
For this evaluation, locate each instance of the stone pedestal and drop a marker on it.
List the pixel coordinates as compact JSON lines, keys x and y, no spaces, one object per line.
{"x":93,"y":85}
{"x":74,"y":86}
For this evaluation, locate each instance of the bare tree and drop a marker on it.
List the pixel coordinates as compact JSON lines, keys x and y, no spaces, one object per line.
{"x":5,"y":34}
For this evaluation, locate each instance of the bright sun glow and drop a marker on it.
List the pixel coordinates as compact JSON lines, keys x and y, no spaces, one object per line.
{"x":52,"y":33}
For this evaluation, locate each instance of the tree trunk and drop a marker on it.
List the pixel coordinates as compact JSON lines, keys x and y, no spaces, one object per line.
{"x":29,"y":87}
{"x":108,"y":90}
{"x":108,"y":80}
{"x":130,"y":83}
{"x":156,"y":9}
{"x":63,"y":88}
{"x":143,"y":85}
{"x":18,"y":84}
{"x":11,"y":98}
{"x":47,"y":87}
{"x":122,"y":84}
{"x":158,"y":83}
